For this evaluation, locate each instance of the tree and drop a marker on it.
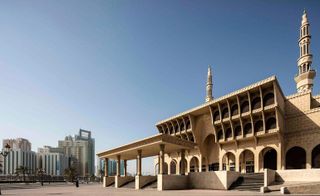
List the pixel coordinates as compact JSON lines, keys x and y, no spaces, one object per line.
{"x":70,"y":174}
{"x":40,"y":174}
{"x":22,"y":170}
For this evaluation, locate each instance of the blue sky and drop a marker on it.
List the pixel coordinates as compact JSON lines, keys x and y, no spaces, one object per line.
{"x":118,"y":67}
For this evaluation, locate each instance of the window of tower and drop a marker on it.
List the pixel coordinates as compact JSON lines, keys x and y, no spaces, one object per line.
{"x":220,"y":134}
{"x":216,"y":116}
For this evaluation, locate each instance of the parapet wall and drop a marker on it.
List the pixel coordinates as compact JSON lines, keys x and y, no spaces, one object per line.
{"x":198,"y":180}
{"x":298,"y":175}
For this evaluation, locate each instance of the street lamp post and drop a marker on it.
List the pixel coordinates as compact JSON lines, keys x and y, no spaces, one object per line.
{"x":4,"y":153}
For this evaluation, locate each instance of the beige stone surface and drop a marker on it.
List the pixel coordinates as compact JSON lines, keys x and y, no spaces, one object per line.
{"x":98,"y":190}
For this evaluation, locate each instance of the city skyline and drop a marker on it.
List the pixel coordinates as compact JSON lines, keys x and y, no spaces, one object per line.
{"x":116,"y":69}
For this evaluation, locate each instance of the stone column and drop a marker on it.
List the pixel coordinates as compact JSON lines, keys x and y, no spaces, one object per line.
{"x":309,"y":159}
{"x":161,"y":155}
{"x":106,"y":161}
{"x":237,"y":163}
{"x":125,"y":167}
{"x":139,"y":163}
{"x":118,"y":165}
{"x":158,"y":164}
{"x":182,"y":165}
{"x":256,"y":162}
{"x":200,"y":163}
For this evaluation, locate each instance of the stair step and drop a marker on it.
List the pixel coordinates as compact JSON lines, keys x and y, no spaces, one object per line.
{"x":248,"y":182}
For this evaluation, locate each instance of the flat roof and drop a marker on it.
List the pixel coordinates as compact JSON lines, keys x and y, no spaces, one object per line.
{"x":149,"y":147}
{"x":234,"y":93}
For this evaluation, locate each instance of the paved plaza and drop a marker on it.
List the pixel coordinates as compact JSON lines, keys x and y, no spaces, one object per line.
{"x":97,"y":189}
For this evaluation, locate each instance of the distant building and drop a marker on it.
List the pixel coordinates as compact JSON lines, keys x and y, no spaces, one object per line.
{"x":52,"y":160}
{"x":20,"y":155}
{"x":80,"y":149}
{"x":112,"y":167}
{"x":1,"y":165}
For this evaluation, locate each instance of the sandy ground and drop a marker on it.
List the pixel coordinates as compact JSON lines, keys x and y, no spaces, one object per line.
{"x":97,"y":189}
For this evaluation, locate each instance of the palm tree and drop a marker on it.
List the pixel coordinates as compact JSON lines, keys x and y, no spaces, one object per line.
{"x":22,"y":170}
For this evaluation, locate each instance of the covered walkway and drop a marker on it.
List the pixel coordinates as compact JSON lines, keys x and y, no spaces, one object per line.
{"x":156,"y":145}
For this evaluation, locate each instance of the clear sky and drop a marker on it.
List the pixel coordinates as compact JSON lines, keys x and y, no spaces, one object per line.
{"x":118,"y":67}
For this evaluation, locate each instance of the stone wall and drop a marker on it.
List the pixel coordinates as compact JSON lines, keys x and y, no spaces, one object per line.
{"x":298,"y":175}
{"x":269,"y":176}
{"x":141,"y":181}
{"x":172,"y":182}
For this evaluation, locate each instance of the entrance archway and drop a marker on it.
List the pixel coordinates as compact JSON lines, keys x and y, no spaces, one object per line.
{"x":194,"y":164}
{"x":173,"y":167}
{"x":228,"y":162}
{"x":316,"y":157}
{"x":269,"y":158}
{"x":246,"y":162}
{"x":210,"y":151}
{"x":296,"y":158}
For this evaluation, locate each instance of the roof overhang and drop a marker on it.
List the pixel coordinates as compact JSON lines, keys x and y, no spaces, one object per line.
{"x":149,"y":147}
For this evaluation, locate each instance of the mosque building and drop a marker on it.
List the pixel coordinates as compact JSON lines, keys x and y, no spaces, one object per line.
{"x":247,"y":131}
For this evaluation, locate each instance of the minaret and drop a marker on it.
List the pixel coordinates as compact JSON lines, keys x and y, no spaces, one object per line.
{"x":209,"y":85}
{"x":305,"y":76}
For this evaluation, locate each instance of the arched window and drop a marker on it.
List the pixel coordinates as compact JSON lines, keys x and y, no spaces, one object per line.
{"x":188,"y":124}
{"x":191,"y":138}
{"x":216,"y":115}
{"x":220,"y":134}
{"x":271,"y":123}
{"x":176,"y":128}
{"x":296,"y":158}
{"x":182,"y":126}
{"x":171,"y":129}
{"x":256,"y":103}
{"x":237,"y":131}
{"x":247,"y":129}
{"x":234,"y":110}
{"x":173,"y":167}
{"x":269,"y":156}
{"x":194,"y":164}
{"x":228,"y":133}
{"x":245,"y":107}
{"x":258,"y":126}
{"x":268,"y":99}
{"x":225,"y":113}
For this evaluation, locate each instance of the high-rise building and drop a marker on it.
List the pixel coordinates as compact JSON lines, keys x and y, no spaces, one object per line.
{"x":20,"y":155}
{"x":52,"y":160}
{"x":1,"y":165}
{"x":80,"y":149}
{"x":112,"y":167}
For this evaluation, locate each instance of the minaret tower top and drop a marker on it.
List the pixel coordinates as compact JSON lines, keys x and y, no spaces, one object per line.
{"x":305,"y":76}
{"x":209,"y":86}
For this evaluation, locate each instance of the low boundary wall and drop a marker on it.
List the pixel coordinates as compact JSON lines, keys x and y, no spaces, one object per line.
{"x":121,"y":180}
{"x":212,"y":180}
{"x":198,"y":180}
{"x":269,"y":177}
{"x":108,"y":180}
{"x":298,"y":175}
{"x":172,"y":182}
{"x":141,"y":181}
